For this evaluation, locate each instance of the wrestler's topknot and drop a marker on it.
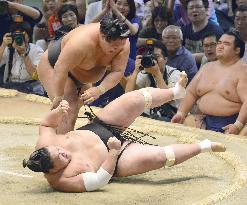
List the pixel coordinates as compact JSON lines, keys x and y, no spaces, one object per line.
{"x":39,"y":161}
{"x":113,"y":29}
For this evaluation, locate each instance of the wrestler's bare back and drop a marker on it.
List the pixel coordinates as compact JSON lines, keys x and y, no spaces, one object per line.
{"x":94,"y":60}
{"x":217,"y":88}
{"x":87,"y":151}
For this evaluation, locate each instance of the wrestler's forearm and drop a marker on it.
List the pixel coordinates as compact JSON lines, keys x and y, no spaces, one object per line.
{"x":60,"y":78}
{"x":187,"y":103}
{"x":52,"y":119}
{"x":111,"y":80}
{"x":242,"y":116}
{"x":110,"y":162}
{"x":131,"y":83}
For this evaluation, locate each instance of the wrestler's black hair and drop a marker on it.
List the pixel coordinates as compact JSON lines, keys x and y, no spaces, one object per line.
{"x":39,"y":161}
{"x":113,"y":29}
{"x":238,"y":42}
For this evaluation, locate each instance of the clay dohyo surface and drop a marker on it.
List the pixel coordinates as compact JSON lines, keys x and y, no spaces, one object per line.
{"x":205,"y":179}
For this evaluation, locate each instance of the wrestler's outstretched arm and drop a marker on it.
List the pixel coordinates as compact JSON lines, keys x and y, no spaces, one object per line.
{"x":90,"y":181}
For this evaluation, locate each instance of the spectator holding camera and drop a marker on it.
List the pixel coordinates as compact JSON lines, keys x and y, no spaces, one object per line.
{"x":10,"y":8}
{"x":151,"y":71}
{"x":21,"y":58}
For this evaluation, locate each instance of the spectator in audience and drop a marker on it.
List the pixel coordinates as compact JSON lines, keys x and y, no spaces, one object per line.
{"x":30,"y":14}
{"x":125,"y":11}
{"x":241,"y":25}
{"x":159,"y":21}
{"x":69,"y":18}
{"x":21,"y":58}
{"x":178,"y":56}
{"x":68,"y":67}
{"x":209,"y":43}
{"x":178,"y":9}
{"x":97,"y":10}
{"x":158,"y":75}
{"x":194,"y":32}
{"x":41,"y":31}
{"x":219,"y":88}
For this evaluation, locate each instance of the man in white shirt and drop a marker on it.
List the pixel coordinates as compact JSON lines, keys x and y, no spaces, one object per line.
{"x":19,"y":56}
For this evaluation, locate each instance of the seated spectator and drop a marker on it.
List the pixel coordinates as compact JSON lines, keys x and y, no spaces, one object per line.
{"x":30,"y":14}
{"x":178,"y":56}
{"x":125,"y":11}
{"x":241,"y":25}
{"x":157,"y":75}
{"x":209,"y":43}
{"x":69,"y":18}
{"x":159,"y":21}
{"x":21,"y":58}
{"x":194,"y":32}
{"x":219,"y":88}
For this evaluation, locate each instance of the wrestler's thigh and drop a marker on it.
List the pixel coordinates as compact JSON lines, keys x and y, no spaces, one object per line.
{"x":46,"y":75}
{"x":124,"y":110}
{"x":137,"y":159}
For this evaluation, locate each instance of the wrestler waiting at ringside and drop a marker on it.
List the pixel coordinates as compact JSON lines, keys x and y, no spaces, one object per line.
{"x":86,"y":159}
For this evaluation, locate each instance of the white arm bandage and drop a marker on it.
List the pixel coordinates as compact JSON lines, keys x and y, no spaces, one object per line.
{"x":178,"y":91}
{"x":94,"y":181}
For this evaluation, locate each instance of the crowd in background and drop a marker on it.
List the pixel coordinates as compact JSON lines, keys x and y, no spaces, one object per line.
{"x":183,"y":34}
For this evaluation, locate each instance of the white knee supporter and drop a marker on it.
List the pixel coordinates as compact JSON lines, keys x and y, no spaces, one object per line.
{"x":147,"y":98}
{"x":93,"y":181}
{"x":170,"y":156}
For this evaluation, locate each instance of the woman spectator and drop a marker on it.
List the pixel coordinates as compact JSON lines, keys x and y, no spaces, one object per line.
{"x":125,"y":11}
{"x":159,"y":21}
{"x":69,"y":18}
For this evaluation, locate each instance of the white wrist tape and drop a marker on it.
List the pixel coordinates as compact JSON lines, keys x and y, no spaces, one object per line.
{"x":239,"y":125}
{"x":94,"y":181}
{"x":178,"y":91}
{"x":205,"y":145}
{"x":170,"y":156}
{"x":147,"y":97}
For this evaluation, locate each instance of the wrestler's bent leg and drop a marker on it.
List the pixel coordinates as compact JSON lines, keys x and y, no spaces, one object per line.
{"x":137,"y":158}
{"x":125,"y":109}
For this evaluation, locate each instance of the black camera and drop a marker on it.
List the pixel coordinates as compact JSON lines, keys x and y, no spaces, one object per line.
{"x":148,"y":59}
{"x":18,"y":37}
{"x":3,"y":8}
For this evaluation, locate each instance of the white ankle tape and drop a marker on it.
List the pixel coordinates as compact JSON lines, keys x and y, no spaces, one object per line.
{"x":170,"y":156}
{"x":205,"y":145}
{"x":147,"y":97}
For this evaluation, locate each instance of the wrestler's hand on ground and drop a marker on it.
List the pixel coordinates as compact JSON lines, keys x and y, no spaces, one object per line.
{"x":231,"y":129}
{"x":178,"y":118}
{"x":56,"y":101}
{"x":114,"y":145}
{"x":90,"y":95}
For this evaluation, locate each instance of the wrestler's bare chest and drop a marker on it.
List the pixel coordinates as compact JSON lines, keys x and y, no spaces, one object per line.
{"x":218,"y":80}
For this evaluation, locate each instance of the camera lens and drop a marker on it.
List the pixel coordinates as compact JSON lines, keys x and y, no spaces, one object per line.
{"x":147,"y":61}
{"x":19,"y":40}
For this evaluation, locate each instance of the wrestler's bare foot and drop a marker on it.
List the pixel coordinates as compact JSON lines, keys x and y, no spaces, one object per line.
{"x":217,"y":147}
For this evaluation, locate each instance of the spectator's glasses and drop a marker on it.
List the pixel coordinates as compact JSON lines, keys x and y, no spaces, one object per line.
{"x":209,"y":45}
